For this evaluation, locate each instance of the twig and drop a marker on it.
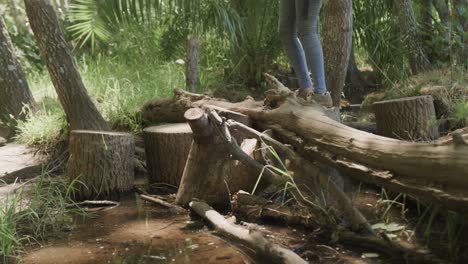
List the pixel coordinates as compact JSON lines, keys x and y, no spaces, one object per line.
{"x":160,"y":202}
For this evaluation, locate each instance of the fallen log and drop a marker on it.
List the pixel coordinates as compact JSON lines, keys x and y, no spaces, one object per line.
{"x":313,"y":183}
{"x":254,"y":240}
{"x":438,"y":170}
{"x":252,"y":208}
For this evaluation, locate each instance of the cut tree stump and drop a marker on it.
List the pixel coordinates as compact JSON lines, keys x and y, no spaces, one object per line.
{"x":103,"y":162}
{"x":167,"y":148}
{"x":207,"y":165}
{"x":411,"y":118}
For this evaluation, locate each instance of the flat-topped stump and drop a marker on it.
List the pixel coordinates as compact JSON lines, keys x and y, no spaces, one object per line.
{"x":167,"y":148}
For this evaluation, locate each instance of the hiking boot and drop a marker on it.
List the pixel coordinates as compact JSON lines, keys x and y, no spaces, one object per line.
{"x":323,"y":99}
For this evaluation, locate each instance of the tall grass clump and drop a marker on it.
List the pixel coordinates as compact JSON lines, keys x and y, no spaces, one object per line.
{"x":35,"y":212}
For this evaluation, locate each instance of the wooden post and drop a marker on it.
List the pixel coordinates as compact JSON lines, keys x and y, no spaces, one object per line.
{"x":411,"y":118}
{"x":192,"y":64}
{"x":167,"y":148}
{"x":207,"y":165}
{"x":103,"y":162}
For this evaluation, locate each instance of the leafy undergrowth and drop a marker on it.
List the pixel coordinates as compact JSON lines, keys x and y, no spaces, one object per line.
{"x":35,"y":212}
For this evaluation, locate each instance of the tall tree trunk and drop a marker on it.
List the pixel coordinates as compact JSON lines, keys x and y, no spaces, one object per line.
{"x":337,"y":42}
{"x":426,"y":20}
{"x":444,"y":16}
{"x":462,"y":14}
{"x":80,"y":110}
{"x":14,"y":89}
{"x":411,"y":37}
{"x":356,"y":86}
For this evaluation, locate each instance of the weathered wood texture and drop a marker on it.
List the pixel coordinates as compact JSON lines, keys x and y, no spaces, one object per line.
{"x":241,"y":177}
{"x":167,"y":148}
{"x":206,"y":168}
{"x":191,"y":71}
{"x":14,"y":89}
{"x":254,"y":240}
{"x":435,"y":172}
{"x":103,"y":162}
{"x":411,"y":118}
{"x":79,"y":108}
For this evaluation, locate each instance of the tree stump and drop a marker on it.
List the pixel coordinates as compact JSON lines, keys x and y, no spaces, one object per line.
{"x":411,"y":118}
{"x":207,"y":165}
{"x":103,"y":162}
{"x":167,"y":148}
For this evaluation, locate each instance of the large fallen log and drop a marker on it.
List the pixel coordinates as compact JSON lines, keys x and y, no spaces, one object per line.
{"x":254,"y":240}
{"x":435,"y":172}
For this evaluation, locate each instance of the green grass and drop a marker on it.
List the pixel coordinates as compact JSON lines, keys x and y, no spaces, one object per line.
{"x":35,"y":214}
{"x":120,"y":79}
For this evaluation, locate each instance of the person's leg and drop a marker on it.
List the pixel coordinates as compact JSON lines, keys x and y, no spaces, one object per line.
{"x":307,"y":25}
{"x":291,"y":44}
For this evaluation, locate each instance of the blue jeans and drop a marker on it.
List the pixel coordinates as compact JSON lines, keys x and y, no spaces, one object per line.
{"x":298,"y":30}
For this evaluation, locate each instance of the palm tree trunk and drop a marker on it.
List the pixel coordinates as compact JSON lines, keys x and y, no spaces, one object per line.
{"x":14,"y":89}
{"x":411,"y":37}
{"x":337,"y":42}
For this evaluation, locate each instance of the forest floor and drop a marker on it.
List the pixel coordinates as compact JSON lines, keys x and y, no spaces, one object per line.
{"x":136,"y":232}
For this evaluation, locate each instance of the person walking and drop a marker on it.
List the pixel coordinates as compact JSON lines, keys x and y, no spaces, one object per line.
{"x":298,"y":31}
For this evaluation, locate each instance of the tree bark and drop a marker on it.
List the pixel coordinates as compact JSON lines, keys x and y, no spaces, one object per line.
{"x":167,"y":148}
{"x":411,"y":118}
{"x":337,"y":42}
{"x":435,"y":172}
{"x":411,"y":36}
{"x":192,"y":65}
{"x":426,"y":19}
{"x":103,"y":162}
{"x":79,"y":108}
{"x":207,"y":165}
{"x":444,"y":15}
{"x":253,"y":239}
{"x":14,"y":89}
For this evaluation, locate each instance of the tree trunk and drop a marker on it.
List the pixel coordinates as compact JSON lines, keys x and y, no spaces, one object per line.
{"x":426,"y":19}
{"x":337,"y":42}
{"x":103,"y":162}
{"x":462,"y":14}
{"x":410,"y":118}
{"x":207,"y":165}
{"x":411,"y":37}
{"x":254,"y":240}
{"x":14,"y":89}
{"x":79,"y":108}
{"x":191,"y":73}
{"x":167,"y":148}
{"x":356,"y":86}
{"x":444,"y":15}
{"x":435,"y":172}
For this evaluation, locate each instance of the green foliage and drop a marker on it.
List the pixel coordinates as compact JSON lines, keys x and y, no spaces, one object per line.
{"x":93,"y":20}
{"x":44,"y":127}
{"x":377,"y":32}
{"x":34,"y":214}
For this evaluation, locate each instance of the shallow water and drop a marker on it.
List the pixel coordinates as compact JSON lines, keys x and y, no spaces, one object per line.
{"x":135,"y":232}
